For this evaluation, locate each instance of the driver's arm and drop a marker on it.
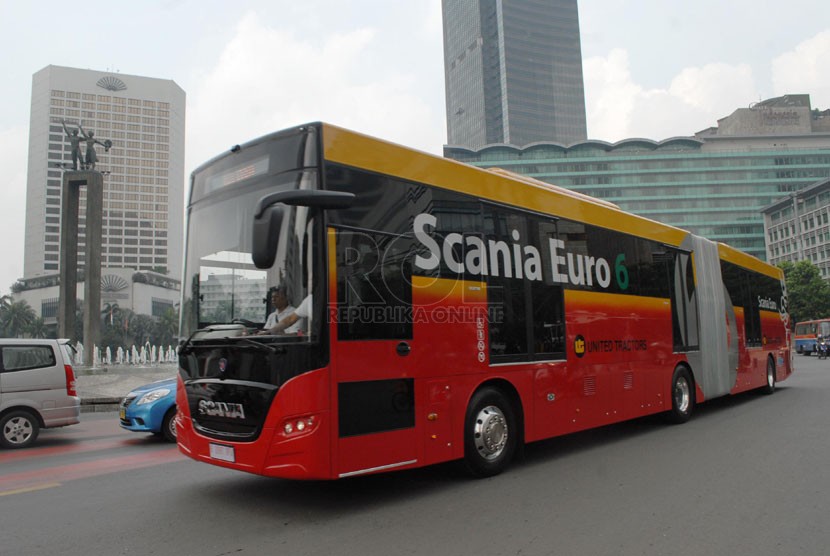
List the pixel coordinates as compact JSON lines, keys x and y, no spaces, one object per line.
{"x":280,"y":327}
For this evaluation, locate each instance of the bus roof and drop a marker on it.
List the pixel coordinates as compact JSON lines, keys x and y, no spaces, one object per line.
{"x":734,"y":256}
{"x":546,"y":185}
{"x":362,"y":151}
{"x":358,"y":150}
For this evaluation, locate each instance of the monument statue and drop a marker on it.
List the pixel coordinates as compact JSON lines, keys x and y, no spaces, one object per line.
{"x":91,"y":157}
{"x":75,"y":144}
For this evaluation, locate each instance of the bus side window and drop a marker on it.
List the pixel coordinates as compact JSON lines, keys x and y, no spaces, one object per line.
{"x":506,"y":294}
{"x":527,"y":314}
{"x":374,"y":291}
{"x":547,"y":301}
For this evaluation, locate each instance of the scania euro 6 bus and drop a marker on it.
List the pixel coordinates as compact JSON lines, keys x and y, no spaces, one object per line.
{"x":452,"y":313}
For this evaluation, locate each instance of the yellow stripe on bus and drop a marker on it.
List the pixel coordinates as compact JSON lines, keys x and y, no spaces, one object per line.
{"x":616,"y":301}
{"x":732,"y":255}
{"x":448,"y":288}
{"x":361,"y":151}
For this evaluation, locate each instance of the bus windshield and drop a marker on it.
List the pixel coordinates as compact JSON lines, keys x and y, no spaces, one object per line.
{"x":223,"y":285}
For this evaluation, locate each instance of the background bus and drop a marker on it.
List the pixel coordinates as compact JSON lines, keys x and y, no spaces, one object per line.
{"x":806,"y":333}
{"x":456,"y":313}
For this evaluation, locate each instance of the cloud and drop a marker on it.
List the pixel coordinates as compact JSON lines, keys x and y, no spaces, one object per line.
{"x":13,"y":154}
{"x":268,"y":79}
{"x":610,"y":95}
{"x":619,"y":108}
{"x":714,"y":86}
{"x":805,"y":70}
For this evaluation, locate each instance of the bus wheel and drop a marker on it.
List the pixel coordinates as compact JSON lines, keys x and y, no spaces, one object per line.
{"x":490,"y":433}
{"x":769,"y":387}
{"x":682,"y":396}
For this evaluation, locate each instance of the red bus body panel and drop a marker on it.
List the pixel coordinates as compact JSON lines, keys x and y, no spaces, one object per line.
{"x":623,"y":372}
{"x":305,"y":455}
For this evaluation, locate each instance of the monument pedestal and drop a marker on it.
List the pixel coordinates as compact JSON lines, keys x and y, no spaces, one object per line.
{"x":73,"y":181}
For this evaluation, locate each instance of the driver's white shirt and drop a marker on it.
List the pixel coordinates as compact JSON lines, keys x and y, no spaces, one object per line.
{"x":277,"y":316}
{"x":304,"y":310}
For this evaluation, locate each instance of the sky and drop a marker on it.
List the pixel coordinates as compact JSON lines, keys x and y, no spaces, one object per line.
{"x":652,"y":68}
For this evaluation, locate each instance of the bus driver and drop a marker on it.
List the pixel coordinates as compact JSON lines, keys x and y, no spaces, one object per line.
{"x":282,"y":309}
{"x":290,"y":324}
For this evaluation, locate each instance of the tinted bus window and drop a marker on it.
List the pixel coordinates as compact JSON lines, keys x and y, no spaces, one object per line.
{"x":374,"y":286}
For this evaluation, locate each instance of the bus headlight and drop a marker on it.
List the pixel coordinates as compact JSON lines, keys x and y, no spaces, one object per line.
{"x":299,"y":425}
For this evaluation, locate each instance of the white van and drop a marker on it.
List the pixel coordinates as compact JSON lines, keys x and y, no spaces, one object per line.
{"x":37,"y":389}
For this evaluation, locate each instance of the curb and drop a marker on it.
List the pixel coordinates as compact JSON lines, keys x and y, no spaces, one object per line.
{"x":95,"y":405}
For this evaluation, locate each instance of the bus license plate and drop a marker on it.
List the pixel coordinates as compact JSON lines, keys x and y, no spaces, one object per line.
{"x":224,"y":453}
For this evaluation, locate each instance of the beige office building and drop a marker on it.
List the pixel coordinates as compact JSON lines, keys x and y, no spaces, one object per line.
{"x":144,"y":117}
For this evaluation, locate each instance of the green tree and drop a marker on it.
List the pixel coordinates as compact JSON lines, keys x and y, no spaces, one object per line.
{"x":5,"y":303}
{"x":222,"y":312}
{"x":110,"y":314}
{"x":808,"y":295}
{"x":38,"y":329}
{"x":16,"y":319}
{"x":166,"y":328}
{"x":112,"y":336}
{"x":126,"y":317}
{"x":141,"y":328}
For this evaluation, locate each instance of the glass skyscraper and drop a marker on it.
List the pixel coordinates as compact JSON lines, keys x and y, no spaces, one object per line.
{"x":513,"y":72}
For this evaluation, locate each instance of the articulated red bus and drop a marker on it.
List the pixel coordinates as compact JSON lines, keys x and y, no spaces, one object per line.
{"x":444,"y":312}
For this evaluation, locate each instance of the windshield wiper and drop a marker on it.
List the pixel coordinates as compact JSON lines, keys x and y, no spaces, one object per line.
{"x":187,"y":346}
{"x":184,"y":347}
{"x":260,"y":345}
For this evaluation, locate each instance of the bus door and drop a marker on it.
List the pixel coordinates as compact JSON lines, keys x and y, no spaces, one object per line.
{"x":373,"y":355}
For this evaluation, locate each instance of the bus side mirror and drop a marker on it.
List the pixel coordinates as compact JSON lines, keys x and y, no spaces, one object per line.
{"x":266,"y":236}
{"x":269,"y":212}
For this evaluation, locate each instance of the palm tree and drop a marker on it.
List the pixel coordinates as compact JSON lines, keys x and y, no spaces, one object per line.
{"x":141,"y":327}
{"x":5,"y":303}
{"x":38,"y":329}
{"x":17,"y":318}
{"x":111,"y":313}
{"x":166,"y":327}
{"x":125,"y":320}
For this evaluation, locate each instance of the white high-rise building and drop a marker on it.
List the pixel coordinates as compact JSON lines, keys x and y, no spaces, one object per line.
{"x":144,"y":117}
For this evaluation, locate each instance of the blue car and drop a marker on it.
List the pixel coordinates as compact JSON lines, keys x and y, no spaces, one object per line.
{"x":151,"y":408}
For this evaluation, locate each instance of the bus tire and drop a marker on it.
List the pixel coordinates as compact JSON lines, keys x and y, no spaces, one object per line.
{"x":491,"y":433}
{"x":769,"y":387}
{"x":682,"y":396}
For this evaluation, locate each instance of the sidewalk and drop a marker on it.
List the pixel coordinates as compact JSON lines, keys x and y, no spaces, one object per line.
{"x":102,"y":388}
